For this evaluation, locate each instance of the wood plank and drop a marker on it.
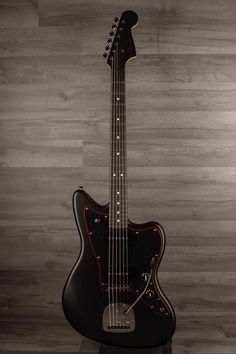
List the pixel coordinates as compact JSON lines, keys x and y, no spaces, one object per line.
{"x":197,"y":38}
{"x":46,"y":133}
{"x":193,"y":155}
{"x":69,"y":13}
{"x":40,"y":157}
{"x":31,"y":336}
{"x":40,"y":41}
{"x":181,"y":68}
{"x":40,"y":69}
{"x":168,"y":176}
{"x":164,"y":97}
{"x":19,"y":14}
{"x":65,"y":11}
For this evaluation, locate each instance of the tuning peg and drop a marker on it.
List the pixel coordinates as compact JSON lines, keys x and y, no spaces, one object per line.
{"x":109,"y":40}
{"x":111,"y":33}
{"x":107,"y":47}
{"x":104,"y":55}
{"x":116,"y":19}
{"x":113,"y":26}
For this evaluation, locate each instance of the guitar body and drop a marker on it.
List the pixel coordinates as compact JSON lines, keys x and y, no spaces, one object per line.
{"x":85,"y":296}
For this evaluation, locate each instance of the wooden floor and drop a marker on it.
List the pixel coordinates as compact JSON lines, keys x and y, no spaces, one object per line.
{"x":181,"y":112}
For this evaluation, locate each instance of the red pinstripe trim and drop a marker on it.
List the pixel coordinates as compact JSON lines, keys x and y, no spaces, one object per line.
{"x":93,"y":249}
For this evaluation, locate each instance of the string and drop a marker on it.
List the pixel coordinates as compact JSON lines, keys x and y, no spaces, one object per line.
{"x":122,"y":180}
{"x":119,"y":174}
{"x":118,"y":216}
{"x":125,"y":166}
{"x":109,"y":230}
{"x":113,"y":201}
{"x":112,"y":196}
{"x":117,"y":184}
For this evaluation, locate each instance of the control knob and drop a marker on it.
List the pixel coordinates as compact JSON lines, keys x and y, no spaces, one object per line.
{"x":150,"y":293}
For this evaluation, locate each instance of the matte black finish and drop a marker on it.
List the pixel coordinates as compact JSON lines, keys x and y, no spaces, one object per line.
{"x":85,"y":296}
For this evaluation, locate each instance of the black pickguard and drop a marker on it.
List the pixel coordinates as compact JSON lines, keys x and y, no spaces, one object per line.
{"x":143,"y":245}
{"x":85,"y":293}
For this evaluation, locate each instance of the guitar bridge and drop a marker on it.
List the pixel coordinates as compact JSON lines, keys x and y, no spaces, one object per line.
{"x":116,"y":320}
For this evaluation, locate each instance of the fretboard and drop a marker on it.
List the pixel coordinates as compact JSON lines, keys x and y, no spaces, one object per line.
{"x":118,"y":154}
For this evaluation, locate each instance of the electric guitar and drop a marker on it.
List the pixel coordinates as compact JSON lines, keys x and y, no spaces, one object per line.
{"x":112,"y":294}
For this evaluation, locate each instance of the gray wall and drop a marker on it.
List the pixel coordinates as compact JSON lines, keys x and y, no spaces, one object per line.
{"x":181,"y":112}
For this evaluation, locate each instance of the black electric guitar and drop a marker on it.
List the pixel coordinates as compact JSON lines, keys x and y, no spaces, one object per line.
{"x":112,"y":294}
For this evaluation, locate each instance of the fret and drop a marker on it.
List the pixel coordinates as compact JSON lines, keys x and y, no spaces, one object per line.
{"x":118,"y":226}
{"x":118,"y":104}
{"x":121,"y":220}
{"x":118,"y":93}
{"x":117,"y":153}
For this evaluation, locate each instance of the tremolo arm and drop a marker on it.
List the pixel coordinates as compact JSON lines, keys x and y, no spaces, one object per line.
{"x":144,"y":290}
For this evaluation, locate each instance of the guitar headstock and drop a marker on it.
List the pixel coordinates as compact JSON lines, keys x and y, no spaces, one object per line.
{"x":122,"y":47}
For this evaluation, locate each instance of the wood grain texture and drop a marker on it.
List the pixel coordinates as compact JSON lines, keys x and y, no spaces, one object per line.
{"x":181,"y":114}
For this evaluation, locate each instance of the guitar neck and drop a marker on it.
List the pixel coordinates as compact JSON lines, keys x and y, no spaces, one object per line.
{"x":118,"y":149}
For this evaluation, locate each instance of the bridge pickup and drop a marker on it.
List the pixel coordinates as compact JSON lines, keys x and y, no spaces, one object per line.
{"x":120,"y":288}
{"x":117,"y":288}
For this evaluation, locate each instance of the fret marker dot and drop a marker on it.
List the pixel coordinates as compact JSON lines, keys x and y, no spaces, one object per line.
{"x":118,"y":137}
{"x":117,"y":192}
{"x":118,"y":203}
{"x":118,"y":98}
{"x":121,"y":174}
{"x":114,"y":174}
{"x":118,"y":220}
{"x":118,"y":118}
{"x":118,"y":212}
{"x":117,"y":153}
